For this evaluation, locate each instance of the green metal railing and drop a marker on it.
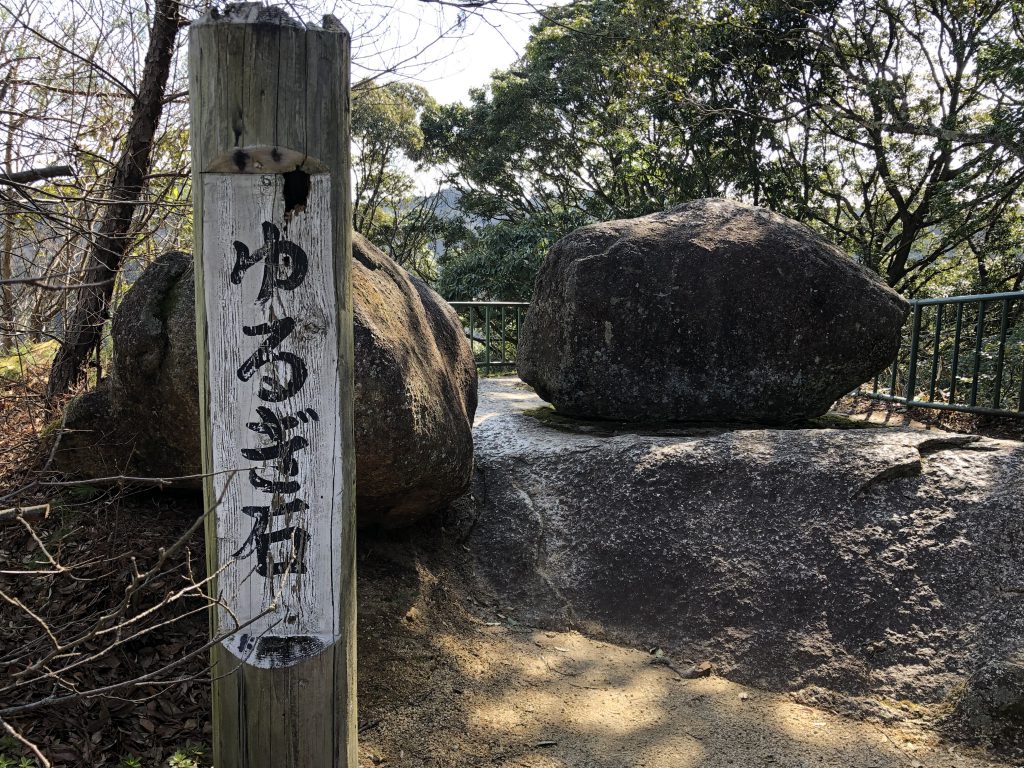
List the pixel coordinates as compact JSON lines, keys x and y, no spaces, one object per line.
{"x":493,"y":329}
{"x":962,"y":353}
{"x":965,"y":353}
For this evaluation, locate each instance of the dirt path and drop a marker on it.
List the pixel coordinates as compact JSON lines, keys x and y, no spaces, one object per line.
{"x":446,"y":689}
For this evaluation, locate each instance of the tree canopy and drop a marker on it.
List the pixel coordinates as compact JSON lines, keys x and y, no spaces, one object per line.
{"x":387,"y":139}
{"x":892,"y":126}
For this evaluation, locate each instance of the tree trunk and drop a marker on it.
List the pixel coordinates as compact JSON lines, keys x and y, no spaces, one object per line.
{"x":8,"y":313}
{"x":111,"y":242}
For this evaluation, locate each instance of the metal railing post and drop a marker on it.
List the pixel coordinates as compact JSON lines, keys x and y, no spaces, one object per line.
{"x":484,"y":338}
{"x":1001,"y":354}
{"x":1020,"y":393}
{"x":915,"y":336}
{"x":979,"y":332}
{"x":504,"y":351}
{"x":477,"y":312}
{"x":955,"y":365}
{"x":487,"y":339}
{"x":937,"y":341}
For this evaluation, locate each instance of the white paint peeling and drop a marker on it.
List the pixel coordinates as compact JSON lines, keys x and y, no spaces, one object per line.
{"x":276,"y":433}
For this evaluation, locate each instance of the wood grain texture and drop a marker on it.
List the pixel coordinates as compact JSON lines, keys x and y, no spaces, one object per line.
{"x":260,"y":81}
{"x":274,"y":451}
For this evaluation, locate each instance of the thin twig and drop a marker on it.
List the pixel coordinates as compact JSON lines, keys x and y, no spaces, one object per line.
{"x":43,"y":762}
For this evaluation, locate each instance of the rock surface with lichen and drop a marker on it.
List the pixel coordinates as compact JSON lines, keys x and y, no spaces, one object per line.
{"x":884,"y":563}
{"x":712,"y":311}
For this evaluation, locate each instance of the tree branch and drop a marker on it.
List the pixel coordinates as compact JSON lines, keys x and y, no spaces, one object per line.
{"x":36,"y":174}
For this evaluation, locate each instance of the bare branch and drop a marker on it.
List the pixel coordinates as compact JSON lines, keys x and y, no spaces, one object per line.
{"x":43,"y":762}
{"x":35,"y":174}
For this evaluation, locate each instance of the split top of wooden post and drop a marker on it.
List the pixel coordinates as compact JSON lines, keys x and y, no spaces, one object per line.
{"x":258,"y":13}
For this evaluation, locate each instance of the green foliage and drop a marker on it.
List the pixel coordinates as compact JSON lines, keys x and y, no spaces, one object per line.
{"x":186,"y":757}
{"x":387,"y":139}
{"x":894,"y":127}
{"x":596,"y":119}
{"x":25,"y":358}
{"x":497,"y":262}
{"x":897,"y":146}
{"x":599,"y":120}
{"x":10,"y":754}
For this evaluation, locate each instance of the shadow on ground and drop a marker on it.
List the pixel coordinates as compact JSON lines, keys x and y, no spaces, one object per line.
{"x":448,"y":678}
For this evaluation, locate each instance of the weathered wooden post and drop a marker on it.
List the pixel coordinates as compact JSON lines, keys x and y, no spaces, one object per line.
{"x":270,"y":189}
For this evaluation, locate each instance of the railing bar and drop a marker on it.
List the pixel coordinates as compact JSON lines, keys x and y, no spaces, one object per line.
{"x":955,"y":366}
{"x":935,"y":352}
{"x":915,"y":338}
{"x":503,"y":352}
{"x":487,"y":338}
{"x":969,"y":299}
{"x":945,"y":406}
{"x":979,"y":333}
{"x":458,"y":304}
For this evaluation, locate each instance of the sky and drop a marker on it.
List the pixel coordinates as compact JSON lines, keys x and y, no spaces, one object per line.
{"x":484,"y":49}
{"x":421,"y":42}
{"x":398,"y":38}
{"x":425,"y":43}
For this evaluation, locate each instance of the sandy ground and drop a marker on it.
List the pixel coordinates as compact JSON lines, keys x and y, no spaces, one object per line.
{"x":448,"y":681}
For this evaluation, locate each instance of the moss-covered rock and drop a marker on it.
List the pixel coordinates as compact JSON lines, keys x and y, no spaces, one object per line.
{"x":415,"y":387}
{"x":990,"y":707}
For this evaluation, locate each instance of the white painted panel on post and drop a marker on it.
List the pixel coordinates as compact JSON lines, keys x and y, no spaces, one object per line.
{"x":272,"y":340}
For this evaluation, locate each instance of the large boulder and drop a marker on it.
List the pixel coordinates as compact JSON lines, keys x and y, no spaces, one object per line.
{"x":143,"y":420}
{"x":415,"y":388}
{"x":878,"y":562}
{"x":711,"y":311}
{"x":415,"y":393}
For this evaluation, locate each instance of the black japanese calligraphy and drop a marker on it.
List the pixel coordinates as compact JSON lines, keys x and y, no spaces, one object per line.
{"x":278,"y":256}
{"x":284,"y":268}
{"x":271,"y":390}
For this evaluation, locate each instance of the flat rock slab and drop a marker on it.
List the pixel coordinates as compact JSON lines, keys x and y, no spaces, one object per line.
{"x":872,"y":561}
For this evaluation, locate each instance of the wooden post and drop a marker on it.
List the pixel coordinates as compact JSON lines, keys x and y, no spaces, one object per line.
{"x":270,"y":139}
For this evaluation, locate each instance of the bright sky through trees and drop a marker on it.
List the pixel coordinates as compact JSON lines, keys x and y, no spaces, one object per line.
{"x":443,"y":48}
